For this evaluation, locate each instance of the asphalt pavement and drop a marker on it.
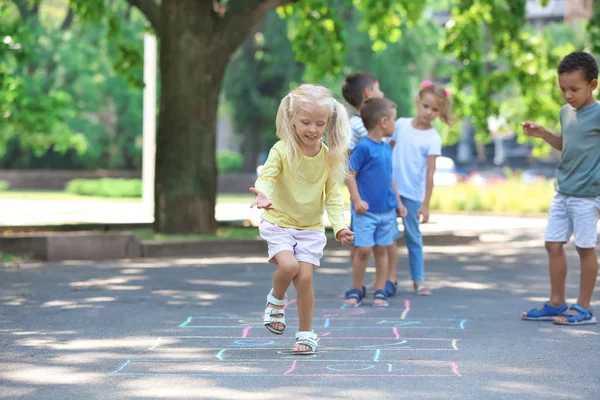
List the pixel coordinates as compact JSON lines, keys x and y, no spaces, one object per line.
{"x":192,"y":328}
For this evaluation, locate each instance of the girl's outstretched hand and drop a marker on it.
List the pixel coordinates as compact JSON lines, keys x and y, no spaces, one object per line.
{"x":345,"y":236}
{"x":261,"y":200}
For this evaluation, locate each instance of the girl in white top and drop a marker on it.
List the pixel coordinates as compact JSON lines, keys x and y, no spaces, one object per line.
{"x":416,"y":145}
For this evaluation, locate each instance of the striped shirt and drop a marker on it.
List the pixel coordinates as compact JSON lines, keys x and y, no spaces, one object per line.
{"x":358,"y":130}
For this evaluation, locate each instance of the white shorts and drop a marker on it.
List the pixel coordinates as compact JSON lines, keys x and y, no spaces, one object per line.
{"x":573,"y":215}
{"x":306,"y":245}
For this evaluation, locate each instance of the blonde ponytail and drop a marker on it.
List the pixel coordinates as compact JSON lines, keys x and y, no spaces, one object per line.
{"x":286,"y":131}
{"x":338,"y":140}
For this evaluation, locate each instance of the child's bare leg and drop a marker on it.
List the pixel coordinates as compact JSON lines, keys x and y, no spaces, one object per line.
{"x":381,"y":265}
{"x":392,"y":258}
{"x":305,"y":300}
{"x":557,"y":261}
{"x":557,"y":266}
{"x":589,"y":272}
{"x":359,"y":267}
{"x":287,"y":269}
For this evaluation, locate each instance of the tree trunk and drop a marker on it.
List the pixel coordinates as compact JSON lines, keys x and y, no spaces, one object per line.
{"x":195,"y":46}
{"x":251,"y":150}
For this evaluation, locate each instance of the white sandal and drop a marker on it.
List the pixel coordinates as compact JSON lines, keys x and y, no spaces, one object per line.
{"x":272,"y":312}
{"x":421,"y":290}
{"x":306,"y":338}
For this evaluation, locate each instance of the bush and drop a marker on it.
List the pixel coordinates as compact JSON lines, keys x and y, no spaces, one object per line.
{"x":229,"y":161}
{"x":106,"y":187}
{"x":4,"y":185}
{"x":513,"y":197}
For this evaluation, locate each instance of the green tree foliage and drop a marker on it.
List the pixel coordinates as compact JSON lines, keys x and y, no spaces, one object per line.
{"x":30,"y":109}
{"x":318,"y":36}
{"x":264,"y":69}
{"x":593,"y":28}
{"x":488,"y":38}
{"x":73,"y":108}
{"x":506,"y":68}
{"x":258,"y":76}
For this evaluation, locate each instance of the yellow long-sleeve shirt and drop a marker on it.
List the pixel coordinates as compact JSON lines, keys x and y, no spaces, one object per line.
{"x":300,"y":198}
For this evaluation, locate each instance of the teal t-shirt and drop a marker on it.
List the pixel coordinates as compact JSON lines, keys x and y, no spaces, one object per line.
{"x":578,"y":173}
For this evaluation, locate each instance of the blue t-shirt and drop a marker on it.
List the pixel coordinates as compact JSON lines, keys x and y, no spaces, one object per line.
{"x":372,"y":162}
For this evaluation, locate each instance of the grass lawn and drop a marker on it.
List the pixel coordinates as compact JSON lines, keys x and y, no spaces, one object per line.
{"x":8,"y":258}
{"x":222,"y":233}
{"x":55,"y":195}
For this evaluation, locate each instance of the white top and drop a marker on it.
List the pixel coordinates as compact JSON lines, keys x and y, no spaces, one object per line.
{"x":409,"y":158}
{"x":358,"y":130}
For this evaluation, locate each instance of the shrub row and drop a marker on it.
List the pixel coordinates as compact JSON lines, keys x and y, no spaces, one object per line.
{"x":105,"y":187}
{"x":512,"y":197}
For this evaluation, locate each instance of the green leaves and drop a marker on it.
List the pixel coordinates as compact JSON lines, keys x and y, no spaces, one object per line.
{"x":89,"y":10}
{"x":593,"y":29}
{"x":37,"y":117}
{"x":316,"y":29}
{"x":60,"y":93}
{"x":384,"y":19}
{"x":508,"y":70}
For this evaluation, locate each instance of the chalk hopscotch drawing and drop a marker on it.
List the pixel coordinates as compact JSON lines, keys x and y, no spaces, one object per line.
{"x":241,"y":347}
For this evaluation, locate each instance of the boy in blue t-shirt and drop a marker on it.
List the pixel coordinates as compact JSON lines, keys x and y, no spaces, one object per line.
{"x":375,"y":199}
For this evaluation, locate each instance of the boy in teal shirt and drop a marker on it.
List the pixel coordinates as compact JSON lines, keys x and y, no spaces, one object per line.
{"x":575,"y":208}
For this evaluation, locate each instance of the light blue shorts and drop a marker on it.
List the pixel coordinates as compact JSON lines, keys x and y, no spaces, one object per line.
{"x":375,"y":229}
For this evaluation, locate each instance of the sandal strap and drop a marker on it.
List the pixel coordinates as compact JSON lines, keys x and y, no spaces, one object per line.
{"x":274,"y":300}
{"x":581,"y":310}
{"x":354,"y":294}
{"x":583,"y":314}
{"x":548,"y":310}
{"x":273,"y":320}
{"x":380,"y":295}
{"x":270,"y":316}
{"x":274,"y":311}
{"x":308,"y":338}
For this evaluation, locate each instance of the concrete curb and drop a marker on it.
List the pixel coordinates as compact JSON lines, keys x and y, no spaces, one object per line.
{"x":96,"y":246}
{"x":60,"y":246}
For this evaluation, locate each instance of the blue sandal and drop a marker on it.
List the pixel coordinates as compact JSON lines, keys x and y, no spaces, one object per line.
{"x":391,"y":288}
{"x":381,"y":295}
{"x":354,"y":294}
{"x":546,"y":313}
{"x":583,"y":316}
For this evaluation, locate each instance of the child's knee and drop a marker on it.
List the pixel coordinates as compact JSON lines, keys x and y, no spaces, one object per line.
{"x":363,"y":253}
{"x":554,"y":248}
{"x":289,"y":265}
{"x":586,"y":252}
{"x":303,"y":281}
{"x":380,"y":251}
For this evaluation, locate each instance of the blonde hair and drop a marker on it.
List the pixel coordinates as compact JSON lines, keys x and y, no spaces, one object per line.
{"x":443,"y":95}
{"x":337,"y":132}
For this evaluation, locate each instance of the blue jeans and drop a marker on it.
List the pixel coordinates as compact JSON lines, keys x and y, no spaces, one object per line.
{"x":414,"y":239}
